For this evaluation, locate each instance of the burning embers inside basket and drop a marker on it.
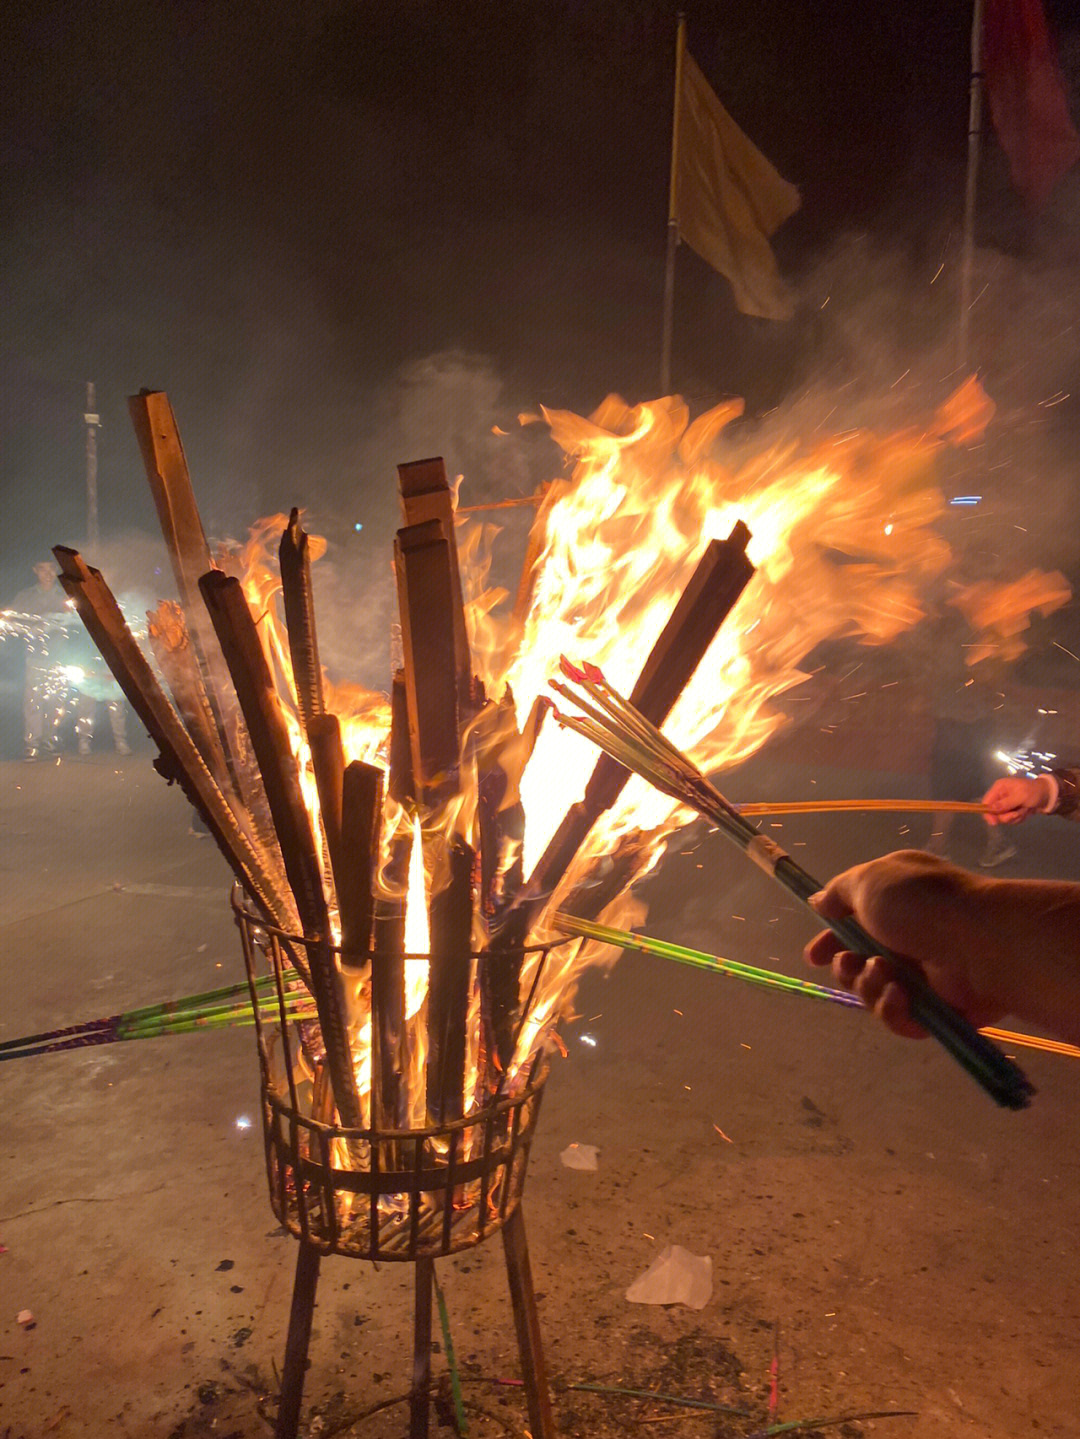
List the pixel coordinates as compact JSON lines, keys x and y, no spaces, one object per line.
{"x":405,"y":1192}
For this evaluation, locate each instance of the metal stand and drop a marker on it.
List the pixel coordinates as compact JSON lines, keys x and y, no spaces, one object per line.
{"x":296,"y":1345}
{"x":401,"y":1195}
{"x":526,"y":1322}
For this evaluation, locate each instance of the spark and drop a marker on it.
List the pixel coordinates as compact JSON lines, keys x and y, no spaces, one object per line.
{"x":589,"y":1039}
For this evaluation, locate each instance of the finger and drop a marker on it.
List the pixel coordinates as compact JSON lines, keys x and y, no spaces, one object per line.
{"x":848,"y":968}
{"x":837,"y":899}
{"x":822,"y":949}
{"x":894,"y":1010}
{"x":870,"y":981}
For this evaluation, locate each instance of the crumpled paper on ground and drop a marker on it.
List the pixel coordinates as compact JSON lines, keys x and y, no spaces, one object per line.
{"x":580,"y":1156}
{"x":675,"y":1277}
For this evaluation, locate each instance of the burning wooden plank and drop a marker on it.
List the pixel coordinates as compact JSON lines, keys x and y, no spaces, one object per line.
{"x":450,"y":982}
{"x":355,"y":873}
{"x":440,"y":694}
{"x":721,"y":575}
{"x":426,"y":496}
{"x":388,"y":957}
{"x":500,"y":814}
{"x":179,"y":760}
{"x":295,"y":562}
{"x":388,"y":987}
{"x":171,"y":644}
{"x":717,"y":582}
{"x":424,"y":566}
{"x":181,"y":526}
{"x":266,"y":724}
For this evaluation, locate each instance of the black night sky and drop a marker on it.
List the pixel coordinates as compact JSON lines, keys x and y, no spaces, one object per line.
{"x":341,"y":235}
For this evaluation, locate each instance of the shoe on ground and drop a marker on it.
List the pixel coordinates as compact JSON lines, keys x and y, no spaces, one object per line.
{"x":30,"y":753}
{"x":1002,"y":855}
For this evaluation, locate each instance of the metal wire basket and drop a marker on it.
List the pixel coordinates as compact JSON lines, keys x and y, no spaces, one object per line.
{"x":379,"y":1193}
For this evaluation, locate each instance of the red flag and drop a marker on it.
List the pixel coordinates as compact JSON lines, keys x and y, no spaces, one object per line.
{"x":1027,"y":96}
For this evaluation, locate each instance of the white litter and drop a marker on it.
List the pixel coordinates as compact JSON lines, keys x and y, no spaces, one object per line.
{"x":675,"y":1277}
{"x":580,"y":1156}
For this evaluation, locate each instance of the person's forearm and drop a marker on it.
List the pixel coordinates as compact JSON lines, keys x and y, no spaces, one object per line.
{"x":1029,"y":933}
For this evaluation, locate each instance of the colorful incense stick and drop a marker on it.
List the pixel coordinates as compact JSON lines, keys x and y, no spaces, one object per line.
{"x":768,"y":978}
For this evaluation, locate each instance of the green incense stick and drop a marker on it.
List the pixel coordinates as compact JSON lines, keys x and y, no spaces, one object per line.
{"x":644,"y":944}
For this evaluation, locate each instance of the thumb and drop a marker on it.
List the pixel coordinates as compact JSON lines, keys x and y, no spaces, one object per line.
{"x":835,"y":900}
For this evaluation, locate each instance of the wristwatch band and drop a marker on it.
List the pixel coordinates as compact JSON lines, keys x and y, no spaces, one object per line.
{"x":1068,"y":800}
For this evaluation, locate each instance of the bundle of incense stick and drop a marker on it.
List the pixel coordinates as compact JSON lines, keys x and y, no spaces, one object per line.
{"x":570,"y":924}
{"x":831,"y":806}
{"x":215,"y":1009}
{"x":622,"y":732}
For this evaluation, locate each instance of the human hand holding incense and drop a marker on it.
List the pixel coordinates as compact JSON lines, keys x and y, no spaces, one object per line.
{"x":628,"y":737}
{"x":988,"y":947}
{"x":1012,"y":799}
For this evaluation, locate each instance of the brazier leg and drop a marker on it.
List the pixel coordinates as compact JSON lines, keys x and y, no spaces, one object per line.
{"x":296,"y":1345}
{"x":421,"y":1374}
{"x":527,"y":1322}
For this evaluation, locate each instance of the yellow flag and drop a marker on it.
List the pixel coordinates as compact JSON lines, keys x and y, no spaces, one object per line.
{"x":726,"y":198}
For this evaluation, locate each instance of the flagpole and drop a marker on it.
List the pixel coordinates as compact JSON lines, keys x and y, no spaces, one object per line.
{"x":967,"y":253}
{"x":673,"y":223}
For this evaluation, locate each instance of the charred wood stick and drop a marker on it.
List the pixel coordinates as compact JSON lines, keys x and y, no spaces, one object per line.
{"x":449,"y":984}
{"x":388,"y":988}
{"x":500,"y":758}
{"x":610,"y":878}
{"x":721,"y":575}
{"x":328,"y":766}
{"x":179,"y":760}
{"x":355,"y":872}
{"x":423,"y":565}
{"x":295,"y":564}
{"x":388,"y":957}
{"x":719,"y":579}
{"x":170,"y":485}
{"x":401,"y":786}
{"x":426,"y":496}
{"x":243,"y":651}
{"x":171,"y":644}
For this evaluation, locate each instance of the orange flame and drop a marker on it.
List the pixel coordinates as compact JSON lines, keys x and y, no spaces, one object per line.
{"x":843,"y":541}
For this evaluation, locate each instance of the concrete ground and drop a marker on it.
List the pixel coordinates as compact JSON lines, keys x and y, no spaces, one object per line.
{"x":882,"y":1237}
